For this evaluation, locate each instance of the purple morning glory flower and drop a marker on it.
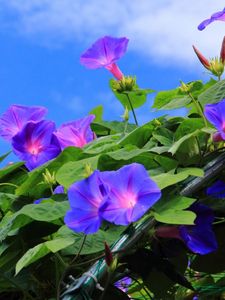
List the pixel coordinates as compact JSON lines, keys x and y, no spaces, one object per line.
{"x":200,"y":237}
{"x":85,"y":198}
{"x":77,"y":133}
{"x":104,"y":53}
{"x":218,"y":16}
{"x":217,"y":190}
{"x":13,"y":120}
{"x":215,"y":114}
{"x":131,"y":192}
{"x":36,"y":144}
{"x":123,"y":284}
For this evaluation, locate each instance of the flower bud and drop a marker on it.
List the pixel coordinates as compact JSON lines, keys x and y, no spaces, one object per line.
{"x":222,"y":52}
{"x":108,"y":255}
{"x":126,"y":84}
{"x":202,"y":58}
{"x":125,"y":116}
{"x":185,"y":88}
{"x":87,"y":170}
{"x":217,"y":137}
{"x":216,"y":66}
{"x":49,"y":178}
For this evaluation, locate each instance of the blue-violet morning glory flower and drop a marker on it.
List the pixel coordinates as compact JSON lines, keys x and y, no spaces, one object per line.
{"x":13,"y":120}
{"x":215,"y":114}
{"x":77,"y":133}
{"x":199,"y":238}
{"x":123,"y":284}
{"x":36,"y":144}
{"x":217,"y":190}
{"x":104,"y":53}
{"x":85,"y":198}
{"x":218,"y":16}
{"x":131,"y":192}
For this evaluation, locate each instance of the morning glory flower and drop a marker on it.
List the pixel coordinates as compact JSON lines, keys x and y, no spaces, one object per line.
{"x":77,"y":133}
{"x":104,"y":53}
{"x":131,"y":193}
{"x":199,"y":238}
{"x":36,"y":144}
{"x":218,"y":16}
{"x":215,"y":114}
{"x":13,"y":120}
{"x":217,"y":190}
{"x":85,"y":198}
{"x":123,"y":284}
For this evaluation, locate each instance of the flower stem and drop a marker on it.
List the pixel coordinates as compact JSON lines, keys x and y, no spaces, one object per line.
{"x":131,"y":106}
{"x":199,"y":108}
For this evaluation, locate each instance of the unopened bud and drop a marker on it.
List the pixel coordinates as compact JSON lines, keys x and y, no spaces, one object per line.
{"x":49,"y":178}
{"x":216,"y":66}
{"x":217,"y":137}
{"x":108,"y":255}
{"x":222,"y":52}
{"x":126,"y":84}
{"x":185,"y":88}
{"x":88,"y":170}
{"x":204,"y":61}
{"x":125,"y":116}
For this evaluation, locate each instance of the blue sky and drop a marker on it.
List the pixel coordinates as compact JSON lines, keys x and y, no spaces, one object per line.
{"x":41,"y":42}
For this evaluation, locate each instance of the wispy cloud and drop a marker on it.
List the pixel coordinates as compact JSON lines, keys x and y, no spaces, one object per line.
{"x":161,"y":30}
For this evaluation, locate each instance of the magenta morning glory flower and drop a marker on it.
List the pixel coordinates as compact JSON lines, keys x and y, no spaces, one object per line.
{"x":131,"y":192}
{"x":36,"y":144}
{"x":104,"y":53}
{"x":217,"y":190}
{"x":85,"y":198}
{"x":13,"y":120}
{"x":215,"y":114}
{"x":199,"y":238}
{"x":77,"y":133}
{"x":218,"y":16}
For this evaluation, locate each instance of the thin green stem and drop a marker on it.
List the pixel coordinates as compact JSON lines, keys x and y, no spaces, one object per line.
{"x":199,"y":108}
{"x":68,"y":267}
{"x":8,"y":183}
{"x":131,"y":106}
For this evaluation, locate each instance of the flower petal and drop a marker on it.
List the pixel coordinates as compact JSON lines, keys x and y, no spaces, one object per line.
{"x":13,"y":120}
{"x":104,"y":52}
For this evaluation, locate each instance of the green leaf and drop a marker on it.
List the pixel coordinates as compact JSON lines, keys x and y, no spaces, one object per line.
{"x":93,"y":243}
{"x":45,"y":212}
{"x":178,"y":143}
{"x":171,"y":211}
{"x":98,"y":112}
{"x":75,"y":171}
{"x":138,"y":137}
{"x":164,"y":136}
{"x":213,"y":94}
{"x":112,"y":127}
{"x":2,"y":157}
{"x":167,"y":179}
{"x":6,"y":200}
{"x":137,"y":97}
{"x":35,"y":177}
{"x":42,"y":250}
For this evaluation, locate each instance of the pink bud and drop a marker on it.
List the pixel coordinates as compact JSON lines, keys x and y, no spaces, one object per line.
{"x":217,"y":137}
{"x":108,"y":255}
{"x":222,"y":52}
{"x":202,"y":58}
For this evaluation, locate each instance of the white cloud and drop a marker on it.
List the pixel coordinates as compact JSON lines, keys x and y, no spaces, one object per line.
{"x":162,"y":30}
